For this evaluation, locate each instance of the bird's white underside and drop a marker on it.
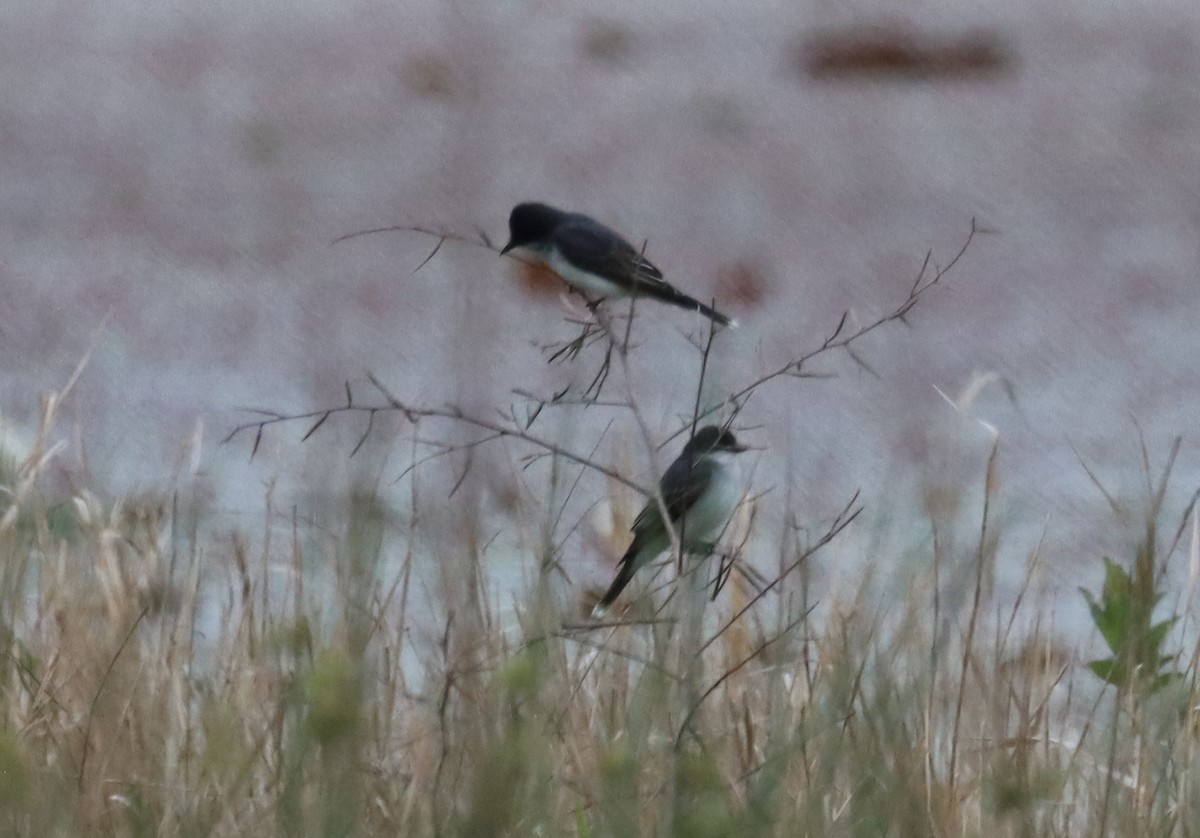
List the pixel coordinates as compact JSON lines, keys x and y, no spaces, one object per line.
{"x":588,"y":283}
{"x":584,"y":281}
{"x":711,"y":512}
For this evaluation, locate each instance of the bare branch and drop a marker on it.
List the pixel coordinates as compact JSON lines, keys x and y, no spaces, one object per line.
{"x":315,"y":427}
{"x":843,"y":520}
{"x":414,"y":414}
{"x":560,"y":399}
{"x":366,"y":432}
{"x":837,"y":340}
{"x":728,"y":673}
{"x":441,"y":241}
{"x":862,"y":363}
{"x":479,"y":239}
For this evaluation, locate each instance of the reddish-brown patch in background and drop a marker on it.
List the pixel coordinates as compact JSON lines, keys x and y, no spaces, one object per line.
{"x":429,"y":75}
{"x":742,"y":284}
{"x":888,"y":51}
{"x":539,"y":280}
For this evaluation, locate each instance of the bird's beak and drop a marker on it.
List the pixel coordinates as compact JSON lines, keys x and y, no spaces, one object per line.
{"x":507,"y":248}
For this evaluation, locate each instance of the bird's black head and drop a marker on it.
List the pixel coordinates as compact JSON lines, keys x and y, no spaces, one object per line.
{"x":713,"y":438}
{"x":531,"y":223}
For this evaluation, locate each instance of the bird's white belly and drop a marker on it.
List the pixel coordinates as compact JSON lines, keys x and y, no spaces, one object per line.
{"x":584,"y":281}
{"x":704,"y":522}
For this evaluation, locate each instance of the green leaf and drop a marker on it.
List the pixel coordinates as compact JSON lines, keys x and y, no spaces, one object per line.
{"x":1113,"y":622}
{"x":1107,"y":670}
{"x":1158,"y":633}
{"x":1101,"y":619}
{"x":1117,"y":582}
{"x":1164,"y":680}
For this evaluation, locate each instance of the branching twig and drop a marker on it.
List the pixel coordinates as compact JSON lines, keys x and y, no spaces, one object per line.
{"x":480,"y":239}
{"x":843,"y":520}
{"x":729,"y":562}
{"x":795,"y":368}
{"x":728,"y":673}
{"x":567,"y":351}
{"x":414,"y":414}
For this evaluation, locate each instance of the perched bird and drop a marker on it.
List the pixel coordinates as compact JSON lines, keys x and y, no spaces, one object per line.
{"x":701,"y":490}
{"x":592,"y":258}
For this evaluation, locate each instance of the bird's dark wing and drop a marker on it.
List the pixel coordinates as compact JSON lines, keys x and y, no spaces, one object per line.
{"x":595,"y":248}
{"x":690,"y":480}
{"x":599,"y":250}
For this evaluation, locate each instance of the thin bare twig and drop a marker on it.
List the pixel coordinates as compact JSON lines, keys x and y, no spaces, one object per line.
{"x":112,"y":662}
{"x":414,"y":414}
{"x":480,"y":239}
{"x":728,"y":673}
{"x":843,"y":520}
{"x":838,"y":339}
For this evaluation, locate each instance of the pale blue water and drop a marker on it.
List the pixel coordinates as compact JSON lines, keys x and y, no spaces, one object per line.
{"x":177,"y":176}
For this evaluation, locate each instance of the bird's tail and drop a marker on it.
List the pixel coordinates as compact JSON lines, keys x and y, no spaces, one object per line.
{"x":625,"y":571}
{"x":678,"y":298}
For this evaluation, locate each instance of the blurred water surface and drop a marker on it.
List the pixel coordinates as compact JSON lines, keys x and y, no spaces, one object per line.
{"x":171,"y":179}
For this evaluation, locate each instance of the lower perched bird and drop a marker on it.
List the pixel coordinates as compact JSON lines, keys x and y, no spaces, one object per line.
{"x":592,"y":258}
{"x":701,"y":490}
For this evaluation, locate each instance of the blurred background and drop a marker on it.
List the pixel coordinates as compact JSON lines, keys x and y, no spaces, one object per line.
{"x":172,"y":177}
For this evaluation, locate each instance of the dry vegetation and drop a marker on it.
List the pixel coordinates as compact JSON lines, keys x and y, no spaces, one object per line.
{"x":884,"y":716}
{"x":891,"y":709}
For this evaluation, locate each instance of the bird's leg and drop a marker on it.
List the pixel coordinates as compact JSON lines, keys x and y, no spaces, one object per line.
{"x":727,"y":565}
{"x":725,"y":568}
